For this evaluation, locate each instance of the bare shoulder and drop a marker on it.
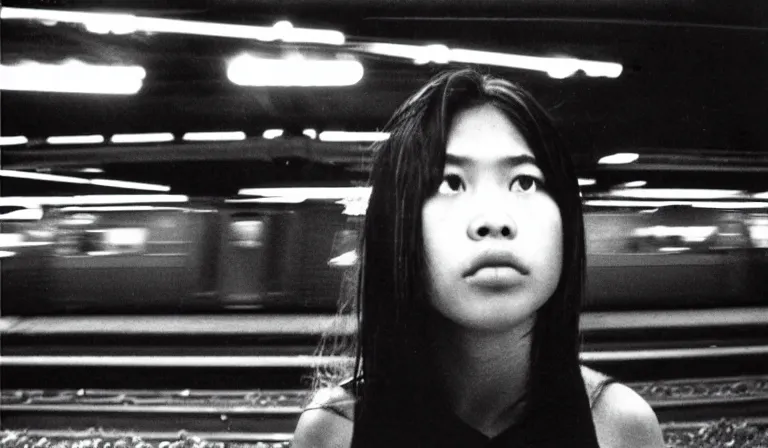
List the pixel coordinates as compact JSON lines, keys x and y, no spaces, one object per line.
{"x":624,"y":419}
{"x":327,"y":422}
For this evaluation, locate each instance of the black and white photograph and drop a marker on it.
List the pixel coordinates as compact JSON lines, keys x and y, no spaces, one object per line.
{"x":383,"y":223}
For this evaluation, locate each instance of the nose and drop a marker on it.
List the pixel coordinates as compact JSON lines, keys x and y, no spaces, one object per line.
{"x":492,"y":224}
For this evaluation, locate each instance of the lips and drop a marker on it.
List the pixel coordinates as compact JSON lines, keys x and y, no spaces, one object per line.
{"x":495,"y":260}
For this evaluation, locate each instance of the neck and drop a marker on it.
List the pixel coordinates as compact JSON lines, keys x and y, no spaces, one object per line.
{"x":483,"y":374}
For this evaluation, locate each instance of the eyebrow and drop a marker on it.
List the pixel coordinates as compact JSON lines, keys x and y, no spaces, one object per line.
{"x":513,"y":161}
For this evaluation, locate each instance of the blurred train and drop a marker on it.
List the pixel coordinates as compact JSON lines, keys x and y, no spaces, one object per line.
{"x":287,"y":255}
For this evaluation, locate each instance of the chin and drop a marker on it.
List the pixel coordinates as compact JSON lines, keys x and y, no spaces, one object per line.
{"x":491,"y":318}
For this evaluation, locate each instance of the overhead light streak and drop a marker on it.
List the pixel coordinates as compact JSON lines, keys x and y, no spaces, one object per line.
{"x":79,"y":180}
{"x":633,"y":184}
{"x":586,"y":182}
{"x":309,"y":192}
{"x":342,"y":136}
{"x":155,"y":137}
{"x":75,"y":139}
{"x":311,"y":133}
{"x":129,"y":185}
{"x":675,"y":193}
{"x":43,"y":177}
{"x":15,"y":140}
{"x":620,"y":158}
{"x":103,"y":23}
{"x":732,"y":205}
{"x":213,"y":136}
{"x":247,"y":70}
{"x":37,"y":201}
{"x":72,"y":76}
{"x":555,"y":67}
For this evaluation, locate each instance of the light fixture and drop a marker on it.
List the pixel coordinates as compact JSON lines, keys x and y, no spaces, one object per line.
{"x":15,"y":140}
{"x":103,"y":23}
{"x":311,"y":133}
{"x":556,"y":67}
{"x":72,"y":76}
{"x":154,"y":137}
{"x":619,"y":158}
{"x":74,"y":139}
{"x":342,"y":136}
{"x":214,"y":136}
{"x":272,"y":133}
{"x":586,"y":182}
{"x":247,"y":70}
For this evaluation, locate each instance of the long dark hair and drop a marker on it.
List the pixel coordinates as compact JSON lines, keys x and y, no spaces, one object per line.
{"x":390,"y":372}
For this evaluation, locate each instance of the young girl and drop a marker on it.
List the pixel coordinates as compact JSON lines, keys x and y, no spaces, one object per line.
{"x":470,"y":282}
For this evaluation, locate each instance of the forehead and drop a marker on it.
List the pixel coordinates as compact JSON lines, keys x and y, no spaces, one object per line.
{"x":485,"y":133}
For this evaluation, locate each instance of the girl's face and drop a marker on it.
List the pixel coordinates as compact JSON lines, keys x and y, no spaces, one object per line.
{"x":493,"y":236}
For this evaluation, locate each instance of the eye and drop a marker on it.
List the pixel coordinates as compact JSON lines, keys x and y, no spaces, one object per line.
{"x":525,"y":184}
{"x":451,"y":184}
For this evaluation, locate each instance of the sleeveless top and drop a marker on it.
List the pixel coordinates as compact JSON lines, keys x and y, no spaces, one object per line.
{"x":342,"y":402}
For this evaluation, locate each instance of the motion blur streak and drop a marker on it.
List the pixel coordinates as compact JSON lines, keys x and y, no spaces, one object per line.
{"x":555,"y":67}
{"x":105,"y":23}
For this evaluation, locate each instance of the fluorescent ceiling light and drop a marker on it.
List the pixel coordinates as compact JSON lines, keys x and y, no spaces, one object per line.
{"x":619,"y":158}
{"x":104,"y":23}
{"x":311,"y":133}
{"x":555,"y":67}
{"x":72,"y":77}
{"x":341,"y":136}
{"x":272,"y":133}
{"x":75,"y":139}
{"x":309,"y":192}
{"x":214,"y":136}
{"x":129,"y":185}
{"x":247,"y":70}
{"x":43,"y":177}
{"x":675,"y":193}
{"x":763,"y":195}
{"x":586,"y":182}
{"x":37,"y":201}
{"x":143,"y":138}
{"x":15,"y":140}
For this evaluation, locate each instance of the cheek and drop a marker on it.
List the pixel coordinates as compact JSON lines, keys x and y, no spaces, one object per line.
{"x":551,"y":246}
